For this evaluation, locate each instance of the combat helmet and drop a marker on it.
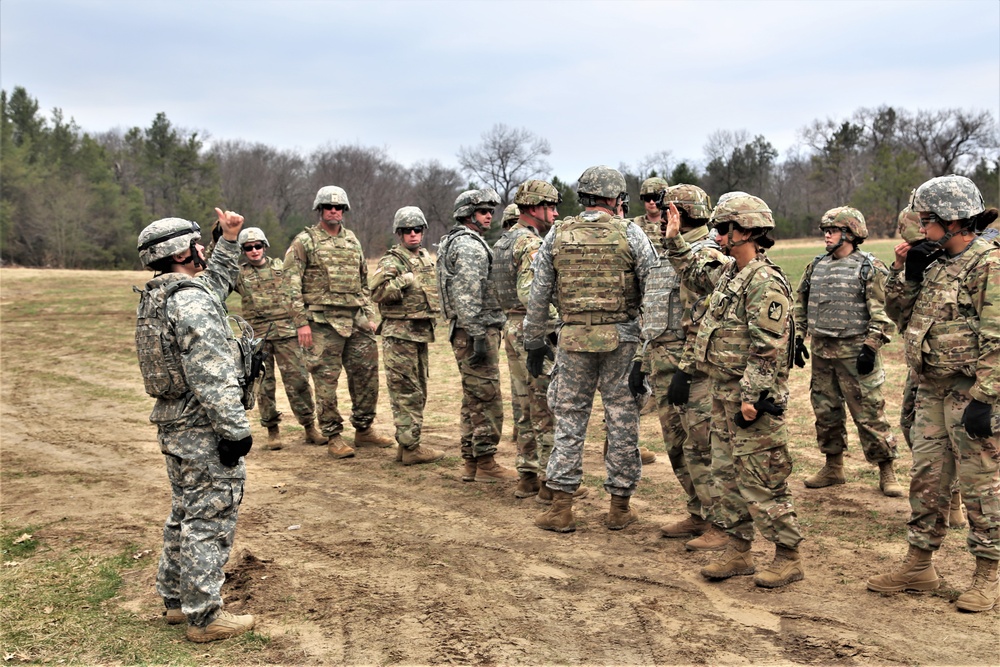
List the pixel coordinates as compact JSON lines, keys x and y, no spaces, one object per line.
{"x":408,"y":217}
{"x":331,"y":194}
{"x":691,"y":198}
{"x":251,"y":234}
{"x":510,"y":215}
{"x":949,"y":197}
{"x":470,"y":201}
{"x":846,"y":219}
{"x":908,"y":226}
{"x":166,"y":237}
{"x":653,"y":186}
{"x":601,"y":181}
{"x":745,"y":210}
{"x":535,"y":192}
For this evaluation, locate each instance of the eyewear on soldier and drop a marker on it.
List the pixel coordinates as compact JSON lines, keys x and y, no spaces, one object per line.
{"x":411,"y":230}
{"x":253,"y":246}
{"x":333,"y":207}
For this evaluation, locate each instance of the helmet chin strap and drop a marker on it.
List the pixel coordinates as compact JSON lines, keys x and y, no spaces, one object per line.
{"x":730,"y":244}
{"x":194,"y":257}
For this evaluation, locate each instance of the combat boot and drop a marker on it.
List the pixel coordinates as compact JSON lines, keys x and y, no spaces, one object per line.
{"x":223,"y":626}
{"x":620,"y":514}
{"x":956,"y":511}
{"x":559,"y":517}
{"x":737,"y":560}
{"x":527,"y":486}
{"x":421,"y":454}
{"x":693,"y":526}
{"x":647,"y":456}
{"x":887,"y":480}
{"x":713,"y":539}
{"x":399,"y":453}
{"x":469,"y":471}
{"x":783,"y":570}
{"x":830,"y":474}
{"x":486,"y":466}
{"x":174,"y":616}
{"x":313,"y":436}
{"x":273,"y":438}
{"x":339,"y":449}
{"x":545,"y":493}
{"x":985,"y":590}
{"x":371,"y":436}
{"x":917,"y":574}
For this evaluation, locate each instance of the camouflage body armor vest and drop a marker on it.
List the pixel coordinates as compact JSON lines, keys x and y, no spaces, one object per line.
{"x":595,"y":270}
{"x":264,"y":294}
{"x":332,"y":277}
{"x":446,"y":272}
{"x":837,"y":305}
{"x":504,"y":271}
{"x":419,"y":302}
{"x":942,"y":338}
{"x":662,"y":309}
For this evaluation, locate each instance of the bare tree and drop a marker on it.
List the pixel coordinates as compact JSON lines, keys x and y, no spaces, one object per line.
{"x":505,"y":158}
{"x":435,"y":188}
{"x":660,"y":163}
{"x":952,"y":139}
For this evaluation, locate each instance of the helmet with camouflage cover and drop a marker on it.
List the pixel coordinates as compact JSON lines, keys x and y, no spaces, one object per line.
{"x":846,"y":218}
{"x":949,"y":197}
{"x":745,"y":210}
{"x":408,"y":217}
{"x":729,"y":195}
{"x":908,"y":226}
{"x":534,"y":192}
{"x":471,"y":201}
{"x":166,"y":237}
{"x":601,"y":181}
{"x":653,"y":186}
{"x":691,"y":198}
{"x":251,"y":234}
{"x":331,"y":194}
{"x":510,"y":215}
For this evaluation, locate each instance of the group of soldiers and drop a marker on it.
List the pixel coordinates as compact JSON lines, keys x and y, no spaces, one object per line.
{"x":681,"y":301}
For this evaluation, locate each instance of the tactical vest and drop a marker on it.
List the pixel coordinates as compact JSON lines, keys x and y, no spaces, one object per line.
{"x":446,"y":271}
{"x":419,"y":302}
{"x":263,"y":289}
{"x":942,"y":338}
{"x":837,"y":305}
{"x":332,"y":276}
{"x":504,"y":271}
{"x":662,"y":310}
{"x":595,"y":271}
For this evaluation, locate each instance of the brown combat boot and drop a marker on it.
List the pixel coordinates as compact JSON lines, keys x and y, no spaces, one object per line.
{"x":469,"y":471}
{"x":339,"y":449}
{"x":647,"y":456}
{"x":545,"y":493}
{"x":956,"y":512}
{"x":830,"y":474}
{"x":985,"y":590}
{"x":737,"y":560}
{"x":224,"y":626}
{"x":486,"y":466}
{"x":420,"y":454}
{"x":371,"y":436}
{"x":273,"y":438}
{"x":693,"y":526}
{"x":887,"y":480}
{"x":620,"y":514}
{"x":174,"y":616}
{"x":917,"y":574}
{"x":527,"y":486}
{"x":399,"y":453}
{"x":713,"y":539}
{"x":313,"y":436}
{"x":783,"y":570}
{"x":559,"y":517}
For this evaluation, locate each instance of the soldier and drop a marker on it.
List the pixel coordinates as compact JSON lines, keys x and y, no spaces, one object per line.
{"x":944,"y":292}
{"x":594,"y":268}
{"x":469,"y":301}
{"x":743,"y":343}
{"x":405,"y":288}
{"x":267,"y":307}
{"x":184,"y":345}
{"x":511,"y":214}
{"x":840,"y":304}
{"x":335,"y":320}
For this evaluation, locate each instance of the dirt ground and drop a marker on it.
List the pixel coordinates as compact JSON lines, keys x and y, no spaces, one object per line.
{"x":363,"y":561}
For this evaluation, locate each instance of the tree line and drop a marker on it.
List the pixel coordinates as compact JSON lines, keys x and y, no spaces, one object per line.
{"x":74,"y":199}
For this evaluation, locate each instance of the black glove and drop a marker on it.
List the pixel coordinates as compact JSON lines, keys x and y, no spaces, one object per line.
{"x":679,"y":391}
{"x":217,"y":231}
{"x":801,"y":353}
{"x":977,"y":418}
{"x":537,"y":354}
{"x":919,"y":258}
{"x":230,"y":451}
{"x":762,"y":405}
{"x":866,"y":360}
{"x":636,"y":380}
{"x":479,"y":351}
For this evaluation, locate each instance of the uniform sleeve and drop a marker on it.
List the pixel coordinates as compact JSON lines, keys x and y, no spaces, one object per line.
{"x":469,"y":284}
{"x":800,"y":311}
{"x":295,"y":265}
{"x":540,"y":297}
{"x":368,"y":307}
{"x":223,"y":269}
{"x":385,"y":284}
{"x":984,"y":288}
{"x":645,"y":257}
{"x":768,"y":320}
{"x":880,"y":325}
{"x":699,"y":271}
{"x":900,"y":295}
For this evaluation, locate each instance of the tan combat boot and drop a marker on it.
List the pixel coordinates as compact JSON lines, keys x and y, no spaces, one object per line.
{"x":985,"y":590}
{"x":647,"y":456}
{"x":956,"y":511}
{"x":737,"y":560}
{"x":174,"y":616}
{"x":486,"y":466}
{"x":693,"y":526}
{"x":620,"y":514}
{"x":224,"y":626}
{"x":371,"y":436}
{"x":545,"y":493}
{"x":887,"y":480}
{"x":313,"y":436}
{"x":421,"y":454}
{"x":559,"y":517}
{"x":469,"y":470}
{"x":783,"y":570}
{"x":399,"y":453}
{"x":830,"y":474}
{"x":527,"y":486}
{"x":917,"y":574}
{"x":273,"y":438}
{"x":713,"y":539}
{"x":339,"y":449}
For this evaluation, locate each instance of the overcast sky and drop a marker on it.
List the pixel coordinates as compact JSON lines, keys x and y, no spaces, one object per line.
{"x":604,"y":82}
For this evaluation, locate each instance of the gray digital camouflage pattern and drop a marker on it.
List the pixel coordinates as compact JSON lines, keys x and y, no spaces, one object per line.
{"x":948,"y":197}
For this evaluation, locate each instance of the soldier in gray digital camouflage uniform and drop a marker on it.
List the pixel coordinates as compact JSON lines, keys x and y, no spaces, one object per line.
{"x":335,"y":320}
{"x":469,"y":302}
{"x":405,"y":288}
{"x":511,"y":214}
{"x":594,"y":268}
{"x":840,"y":304}
{"x":267,"y":306}
{"x":186,"y":354}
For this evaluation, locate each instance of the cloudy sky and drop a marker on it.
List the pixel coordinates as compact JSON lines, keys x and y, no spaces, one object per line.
{"x":604,"y":82}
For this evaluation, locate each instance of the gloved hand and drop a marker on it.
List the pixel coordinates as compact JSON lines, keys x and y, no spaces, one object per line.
{"x":407,"y":280}
{"x":480,"y":351}
{"x":679,"y":391}
{"x":217,"y":231}
{"x":918,"y":258}
{"x":977,"y":419}
{"x":866,"y":360}
{"x":230,"y":451}
{"x":801,"y":352}
{"x":762,"y":405}
{"x":636,"y":380}
{"x":538,"y":352}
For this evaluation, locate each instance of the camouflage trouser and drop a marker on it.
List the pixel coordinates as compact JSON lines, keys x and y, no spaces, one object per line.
{"x":528,"y":402}
{"x":291,"y":361}
{"x":406,"y":373}
{"x":909,"y":407}
{"x":835,"y":382}
{"x":761,"y":497}
{"x":942,"y":451}
{"x":198,"y":533}
{"x":358,"y":355}
{"x":576,"y":376}
{"x":482,"y":398}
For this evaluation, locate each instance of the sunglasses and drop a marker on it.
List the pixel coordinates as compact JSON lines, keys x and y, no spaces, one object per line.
{"x":253,"y":246}
{"x":411,"y":230}
{"x":649,"y":198}
{"x":332,"y":207}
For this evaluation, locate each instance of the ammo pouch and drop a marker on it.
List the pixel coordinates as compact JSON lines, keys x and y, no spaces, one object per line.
{"x":249,"y":361}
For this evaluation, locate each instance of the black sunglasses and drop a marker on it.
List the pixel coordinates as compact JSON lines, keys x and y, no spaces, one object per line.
{"x":648,"y":198}
{"x":253,"y":246}
{"x":332,"y":207}
{"x":411,"y":230}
